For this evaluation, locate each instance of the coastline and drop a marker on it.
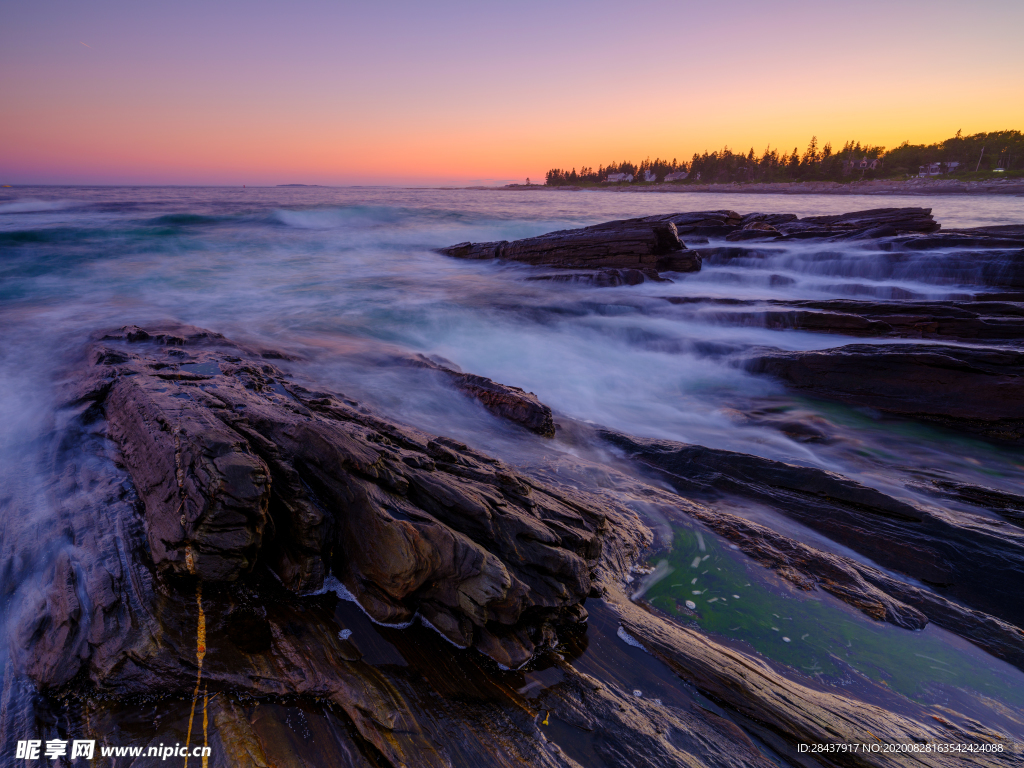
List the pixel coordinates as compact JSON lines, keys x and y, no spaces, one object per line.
{"x":866,"y":187}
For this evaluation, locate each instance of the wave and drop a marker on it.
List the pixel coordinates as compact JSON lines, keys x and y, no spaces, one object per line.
{"x":49,"y":235}
{"x":33,"y":205}
{"x":333,"y":216}
{"x":369,"y":216}
{"x":187,"y":220}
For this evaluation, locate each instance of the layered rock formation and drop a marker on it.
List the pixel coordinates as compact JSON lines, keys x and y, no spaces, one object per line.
{"x":629,"y":244}
{"x":237,"y":548}
{"x":977,"y":389}
{"x":512,"y":403}
{"x":646,"y":246}
{"x":215,"y":508}
{"x":235,"y":464}
{"x":965,"y":559}
{"x":964,"y":320}
{"x":631,"y":250}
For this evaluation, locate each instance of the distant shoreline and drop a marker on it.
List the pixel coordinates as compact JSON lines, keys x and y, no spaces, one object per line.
{"x":872,"y":187}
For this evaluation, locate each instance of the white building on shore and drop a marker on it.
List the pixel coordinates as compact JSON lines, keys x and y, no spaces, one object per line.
{"x":677,"y":176}
{"x":937,"y":169}
{"x":615,"y":177}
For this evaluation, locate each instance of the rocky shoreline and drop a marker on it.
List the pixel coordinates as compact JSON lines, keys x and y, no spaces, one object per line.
{"x":927,"y":186}
{"x":245,"y":542}
{"x":239,"y":498}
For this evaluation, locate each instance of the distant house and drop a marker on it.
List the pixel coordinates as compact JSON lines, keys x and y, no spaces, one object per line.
{"x":650,"y":176}
{"x":864,"y":164}
{"x":937,"y":169}
{"x":677,"y":176}
{"x":613,"y":177}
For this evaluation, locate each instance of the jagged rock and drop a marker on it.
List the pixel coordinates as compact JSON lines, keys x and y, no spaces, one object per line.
{"x":233,"y":463}
{"x":267,"y":653}
{"x":653,"y":242}
{"x":877,"y":222}
{"x":968,"y":320}
{"x":983,"y":321}
{"x":980,"y":390}
{"x":1007,"y":505}
{"x":627,"y":244}
{"x":213,"y":493}
{"x":976,"y":560}
{"x":604,"y":278}
{"x":755,"y":230}
{"x":151,"y":636}
{"x":512,"y":403}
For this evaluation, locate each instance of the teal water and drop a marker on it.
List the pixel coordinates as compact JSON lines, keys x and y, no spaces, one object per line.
{"x":812,"y":632}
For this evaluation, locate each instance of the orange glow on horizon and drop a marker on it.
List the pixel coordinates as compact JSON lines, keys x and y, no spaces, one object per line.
{"x":191,"y":106}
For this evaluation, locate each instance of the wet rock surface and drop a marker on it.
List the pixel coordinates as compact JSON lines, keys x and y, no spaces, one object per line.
{"x":976,"y":561}
{"x":1007,"y":505}
{"x":239,"y":507}
{"x":605,"y":278}
{"x":260,"y":563}
{"x":221,"y":448}
{"x":620,"y":252}
{"x":407,"y":527}
{"x":975,"y":320}
{"x":508,"y":402}
{"x":868,"y":589}
{"x":631,"y":244}
{"x":747,"y":684}
{"x":978,"y":389}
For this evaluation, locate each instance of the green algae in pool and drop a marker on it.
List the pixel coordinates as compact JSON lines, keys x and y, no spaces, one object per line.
{"x":701,"y":580}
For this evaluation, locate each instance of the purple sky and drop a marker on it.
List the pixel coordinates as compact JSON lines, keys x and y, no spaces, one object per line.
{"x":387,"y":92}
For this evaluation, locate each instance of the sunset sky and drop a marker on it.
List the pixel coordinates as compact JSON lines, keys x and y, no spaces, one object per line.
{"x":480,"y":92}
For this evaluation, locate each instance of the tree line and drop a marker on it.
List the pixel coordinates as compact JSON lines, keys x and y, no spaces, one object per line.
{"x":958,"y":156}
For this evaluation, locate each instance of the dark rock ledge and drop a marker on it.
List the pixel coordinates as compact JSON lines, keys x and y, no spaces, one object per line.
{"x":820,"y":500}
{"x":234,"y":463}
{"x":508,"y":402}
{"x":630,"y":250}
{"x":975,"y":560}
{"x":227,"y":475}
{"x":632,"y":244}
{"x":976,"y":389}
{"x":974,"y":321}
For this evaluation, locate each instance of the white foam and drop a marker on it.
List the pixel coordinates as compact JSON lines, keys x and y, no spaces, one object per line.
{"x":331,"y":584}
{"x":424,"y":622}
{"x":628,"y":639}
{"x":31,"y":205}
{"x":503,"y":668}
